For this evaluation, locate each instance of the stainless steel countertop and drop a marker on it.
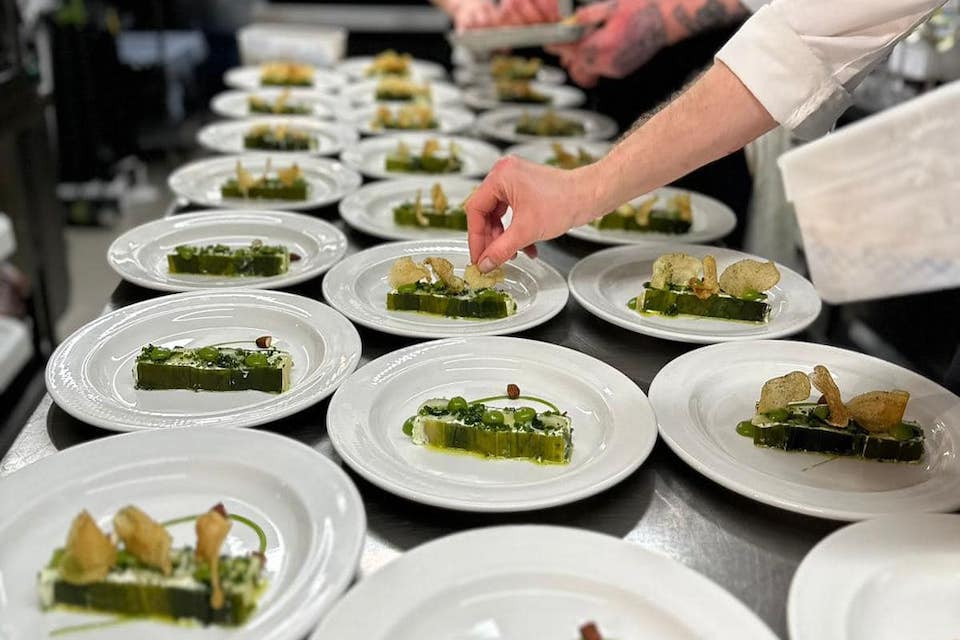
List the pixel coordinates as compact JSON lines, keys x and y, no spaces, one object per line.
{"x":749,"y":548}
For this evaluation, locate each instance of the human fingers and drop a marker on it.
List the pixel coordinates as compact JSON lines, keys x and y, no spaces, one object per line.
{"x":531,"y":251}
{"x":505,"y":247}
{"x":485,"y":205}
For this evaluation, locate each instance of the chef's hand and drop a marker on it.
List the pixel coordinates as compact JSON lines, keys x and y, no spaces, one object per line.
{"x":621,"y":36}
{"x":516,"y":12}
{"x":546,"y":203}
{"x":472,"y":14}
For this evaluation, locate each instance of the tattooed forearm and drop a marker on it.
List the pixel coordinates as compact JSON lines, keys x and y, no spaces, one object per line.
{"x":702,"y":15}
{"x":645,"y":35}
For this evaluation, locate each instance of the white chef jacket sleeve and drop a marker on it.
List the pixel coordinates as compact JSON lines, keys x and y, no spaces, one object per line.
{"x":801,"y":58}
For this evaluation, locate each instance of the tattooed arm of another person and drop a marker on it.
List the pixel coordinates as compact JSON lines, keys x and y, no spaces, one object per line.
{"x":625,"y":34}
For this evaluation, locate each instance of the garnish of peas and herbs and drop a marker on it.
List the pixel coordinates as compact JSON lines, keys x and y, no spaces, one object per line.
{"x":212,"y":354}
{"x":493,"y":417}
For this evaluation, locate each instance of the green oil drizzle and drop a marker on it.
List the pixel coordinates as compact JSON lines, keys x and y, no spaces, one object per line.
{"x":552,"y":406}
{"x":90,"y":626}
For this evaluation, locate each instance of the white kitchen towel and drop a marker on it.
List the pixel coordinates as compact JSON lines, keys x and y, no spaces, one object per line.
{"x":878,"y":202}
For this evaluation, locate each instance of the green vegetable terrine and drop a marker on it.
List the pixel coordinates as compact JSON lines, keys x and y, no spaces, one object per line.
{"x":134,"y":589}
{"x":436,"y":298}
{"x":427,"y":161}
{"x":492,"y":432}
{"x":454,"y":218}
{"x":804,"y":427}
{"x":682,"y":301}
{"x":213,"y":369}
{"x":256,"y":260}
{"x":269,"y":189}
{"x":267,"y":138}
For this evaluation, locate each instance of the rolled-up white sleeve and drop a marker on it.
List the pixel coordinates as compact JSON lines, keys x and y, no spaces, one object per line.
{"x":801,"y":58}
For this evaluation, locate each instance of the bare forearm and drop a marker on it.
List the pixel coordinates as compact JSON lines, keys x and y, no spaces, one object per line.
{"x":714,"y":117}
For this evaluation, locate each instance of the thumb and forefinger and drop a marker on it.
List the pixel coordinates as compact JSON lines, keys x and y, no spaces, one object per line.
{"x":490,"y":244}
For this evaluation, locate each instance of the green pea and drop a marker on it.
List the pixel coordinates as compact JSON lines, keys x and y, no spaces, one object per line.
{"x":256,"y":360}
{"x":753,"y":295}
{"x":492,"y":418}
{"x":457,"y":403}
{"x":159,"y":354}
{"x":778,"y":415}
{"x":821,"y":411}
{"x":407,"y":288}
{"x":525,"y":414}
{"x":746,"y":428}
{"x":632,"y":304}
{"x":208,"y":354}
{"x":408,"y":427}
{"x":902,"y":431}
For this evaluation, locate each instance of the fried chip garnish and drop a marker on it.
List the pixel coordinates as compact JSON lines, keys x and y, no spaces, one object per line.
{"x":642,"y":211}
{"x":825,"y":384}
{"x":430,"y":147}
{"x":144,"y":537}
{"x":245,"y":179}
{"x":747,"y":276}
{"x":443,"y":269}
{"x":777,"y":393}
{"x":674,"y":269}
{"x":289,"y":175}
{"x":708,"y":286}
{"x":439,"y":198}
{"x":477,"y":280}
{"x":418,"y":209}
{"x":212,"y":529}
{"x":406,"y":271}
{"x":89,"y":554}
{"x":879,"y":411}
{"x":681,"y":202}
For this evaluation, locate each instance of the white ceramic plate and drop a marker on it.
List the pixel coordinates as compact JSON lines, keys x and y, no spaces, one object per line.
{"x":500,"y":124}
{"x":370,"y":208}
{"x":886,"y":579}
{"x":90,"y":375}
{"x":227,"y":136}
{"x":234,"y":104}
{"x":526,"y":582}
{"x":480,"y":74}
{"x":309,"y":510}
{"x":604,"y":281}
{"x":540,"y":151}
{"x":614,"y":427}
{"x":356,"y":67}
{"x":140,"y":255}
{"x":483,"y":97}
{"x":369,"y":156}
{"x":358,"y":288}
{"x":365,"y":92}
{"x":450,"y":119}
{"x":712,"y":220}
{"x":249,"y":78}
{"x":200,"y":181}
{"x":700,"y":397}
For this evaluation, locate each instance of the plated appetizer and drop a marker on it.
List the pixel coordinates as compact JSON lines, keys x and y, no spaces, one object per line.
{"x":411,"y":117}
{"x":427,"y":161}
{"x":684,"y":285}
{"x":215,"y":368}
{"x":869,"y":425}
{"x":390,"y":63}
{"x":401,"y":89}
{"x":281,"y":105}
{"x":221,"y":260}
{"x":564,"y":159}
{"x":288,"y":184}
{"x":515,"y":68}
{"x":490,"y":432}
{"x":549,"y":123}
{"x":147,"y":577}
{"x":676,"y":217}
{"x":521,"y":91}
{"x":437,"y":215}
{"x":432,"y":287}
{"x":279,"y":137}
{"x":286,"y":74}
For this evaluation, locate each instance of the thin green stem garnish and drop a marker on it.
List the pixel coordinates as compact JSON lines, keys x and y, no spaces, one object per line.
{"x":506,"y":397}
{"x":91,"y":626}
{"x":817,"y":464}
{"x":261,"y":536}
